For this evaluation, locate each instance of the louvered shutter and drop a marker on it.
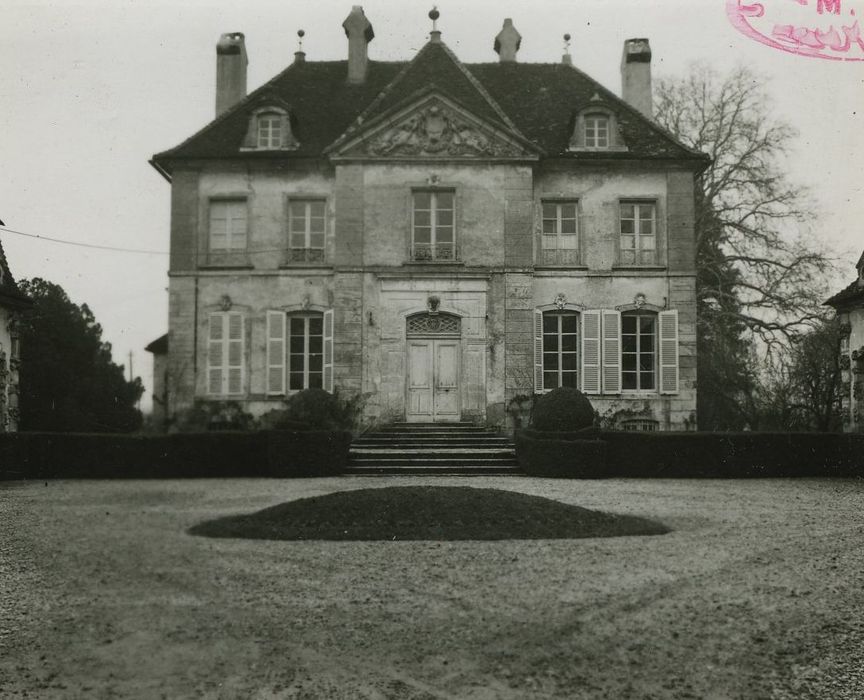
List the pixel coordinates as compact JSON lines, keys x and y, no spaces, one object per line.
{"x":611,"y":351}
{"x":275,"y":352}
{"x":328,"y":350}
{"x":235,"y":354}
{"x":591,"y":351}
{"x":538,"y":351}
{"x":215,"y":334}
{"x":668,"y":351}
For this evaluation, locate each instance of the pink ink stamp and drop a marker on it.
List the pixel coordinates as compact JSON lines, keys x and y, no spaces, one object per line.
{"x":826,"y":29}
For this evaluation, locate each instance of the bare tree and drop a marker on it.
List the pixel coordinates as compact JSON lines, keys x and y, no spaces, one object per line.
{"x":756,"y":268}
{"x":760,"y":280}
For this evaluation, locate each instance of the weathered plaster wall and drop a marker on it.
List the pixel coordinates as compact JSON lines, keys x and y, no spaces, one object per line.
{"x":8,"y":375}
{"x":481,"y":209}
{"x":598,"y":192}
{"x":853,"y":372}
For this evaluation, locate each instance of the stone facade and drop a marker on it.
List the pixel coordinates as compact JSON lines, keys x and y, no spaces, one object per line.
{"x":12,"y":303}
{"x":849,"y":305}
{"x":493,"y":275}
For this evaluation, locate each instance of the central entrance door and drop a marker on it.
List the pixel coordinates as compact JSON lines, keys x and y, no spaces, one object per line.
{"x":433,"y":369}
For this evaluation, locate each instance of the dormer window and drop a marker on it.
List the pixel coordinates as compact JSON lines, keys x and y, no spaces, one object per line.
{"x":596,"y":131}
{"x":595,"y":128}
{"x":269,"y":130}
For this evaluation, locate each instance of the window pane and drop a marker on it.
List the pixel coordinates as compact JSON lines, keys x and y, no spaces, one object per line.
{"x":550,"y":323}
{"x":315,"y":381}
{"x":646,"y":324}
{"x":444,"y":234}
{"x":628,"y":380}
{"x":550,"y":380}
{"x":315,"y":344}
{"x":445,"y":218}
{"x":568,"y":225}
{"x":570,"y":323}
{"x":317,"y":208}
{"x":646,"y":380}
{"x":646,"y":361}
{"x":550,"y":343}
{"x":569,"y":361}
{"x":295,"y":380}
{"x":297,"y":209}
{"x":422,"y":200}
{"x":628,"y":226}
{"x":550,"y":211}
{"x":422,"y":234}
{"x":627,"y":211}
{"x":296,"y":325}
{"x":315,"y":363}
{"x":296,"y":363}
{"x":316,"y":240}
{"x":445,"y":200}
{"x":628,"y":324}
{"x":316,"y":325}
{"x":550,"y":360}
{"x":568,"y":211}
{"x":422,"y":218}
{"x":296,"y":344}
{"x":628,"y":242}
{"x":569,"y":379}
{"x":550,"y":226}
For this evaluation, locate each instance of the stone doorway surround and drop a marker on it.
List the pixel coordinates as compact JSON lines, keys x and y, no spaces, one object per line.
{"x":400,"y":298}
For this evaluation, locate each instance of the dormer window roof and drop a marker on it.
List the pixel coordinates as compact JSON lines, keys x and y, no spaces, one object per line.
{"x":595,"y":128}
{"x":270,"y":130}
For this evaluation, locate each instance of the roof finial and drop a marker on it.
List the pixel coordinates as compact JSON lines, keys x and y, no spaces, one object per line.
{"x":299,"y":54}
{"x":566,"y":58}
{"x":300,"y":35}
{"x":435,"y":35}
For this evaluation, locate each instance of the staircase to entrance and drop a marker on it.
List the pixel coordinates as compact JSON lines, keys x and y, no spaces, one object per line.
{"x":433,"y":448}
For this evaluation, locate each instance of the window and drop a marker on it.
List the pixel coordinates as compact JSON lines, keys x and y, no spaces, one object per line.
{"x":560,"y":349}
{"x":639,"y":351}
{"x":560,"y":241}
{"x":306,"y":228}
{"x":596,"y":131}
{"x":433,"y":226}
{"x":638,"y":233}
{"x":270,"y":130}
{"x":640,"y":425}
{"x":305,"y":352}
{"x":225,"y":353}
{"x":228,"y":225}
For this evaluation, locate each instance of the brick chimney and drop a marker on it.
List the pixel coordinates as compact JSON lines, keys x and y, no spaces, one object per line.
{"x":507,"y":42}
{"x":231,"y":62}
{"x":359,"y":32}
{"x":636,"y":76}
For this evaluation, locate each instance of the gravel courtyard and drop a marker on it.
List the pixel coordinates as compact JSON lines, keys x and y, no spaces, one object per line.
{"x":758,"y":592}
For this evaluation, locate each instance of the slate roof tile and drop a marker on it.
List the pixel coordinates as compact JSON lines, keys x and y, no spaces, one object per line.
{"x":538,"y":99}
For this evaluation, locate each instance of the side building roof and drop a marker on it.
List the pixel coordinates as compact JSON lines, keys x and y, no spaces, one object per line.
{"x":10,"y":295}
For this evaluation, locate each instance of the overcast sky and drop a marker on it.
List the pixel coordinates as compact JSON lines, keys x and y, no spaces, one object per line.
{"x":90,"y":90}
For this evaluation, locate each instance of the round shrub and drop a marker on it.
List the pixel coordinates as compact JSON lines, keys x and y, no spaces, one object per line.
{"x":318,"y":409}
{"x":563,"y":410}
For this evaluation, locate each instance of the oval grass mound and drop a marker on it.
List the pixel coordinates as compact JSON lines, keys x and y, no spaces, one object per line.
{"x":426,"y":513}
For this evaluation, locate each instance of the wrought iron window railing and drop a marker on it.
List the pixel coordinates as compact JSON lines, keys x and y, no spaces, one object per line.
{"x":433,"y":252}
{"x":307,"y":255}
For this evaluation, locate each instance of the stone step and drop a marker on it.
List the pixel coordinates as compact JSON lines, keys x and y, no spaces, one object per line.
{"x":428,"y":470}
{"x":432,"y":459}
{"x":431,"y":442}
{"x":421,"y":450}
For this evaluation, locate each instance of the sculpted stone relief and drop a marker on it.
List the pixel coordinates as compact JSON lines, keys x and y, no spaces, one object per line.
{"x":436,"y":131}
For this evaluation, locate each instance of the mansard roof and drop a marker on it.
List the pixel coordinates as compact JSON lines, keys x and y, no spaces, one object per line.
{"x":10,"y":295}
{"x":535,"y":101}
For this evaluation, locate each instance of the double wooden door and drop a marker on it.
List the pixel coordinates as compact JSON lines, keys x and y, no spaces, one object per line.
{"x":433,"y":380}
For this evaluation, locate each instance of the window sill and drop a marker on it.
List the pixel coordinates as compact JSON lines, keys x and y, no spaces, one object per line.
{"x":621,"y":266}
{"x":306,"y":266}
{"x":560,"y":267}
{"x":435,"y":263}
{"x":226,"y":266}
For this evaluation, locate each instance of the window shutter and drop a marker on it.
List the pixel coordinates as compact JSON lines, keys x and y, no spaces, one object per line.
{"x":538,"y":351}
{"x":591,"y":351}
{"x":275,"y":352}
{"x":328,"y":350}
{"x":215,"y":372}
{"x":668,"y":351}
{"x":235,"y":354}
{"x":611,"y":351}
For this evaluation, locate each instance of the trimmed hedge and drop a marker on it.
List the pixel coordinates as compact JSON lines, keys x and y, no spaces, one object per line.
{"x":691,"y":455}
{"x":562,"y":409}
{"x":180,"y":456}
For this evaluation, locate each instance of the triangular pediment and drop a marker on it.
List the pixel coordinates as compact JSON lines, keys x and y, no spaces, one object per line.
{"x":432,"y":127}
